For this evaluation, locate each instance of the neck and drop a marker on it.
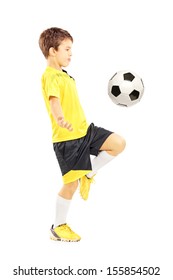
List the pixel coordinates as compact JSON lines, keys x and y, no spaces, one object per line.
{"x":53,"y":64}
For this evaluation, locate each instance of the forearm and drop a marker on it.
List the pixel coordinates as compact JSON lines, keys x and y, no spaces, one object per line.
{"x":56,"y":109}
{"x":57,"y":113}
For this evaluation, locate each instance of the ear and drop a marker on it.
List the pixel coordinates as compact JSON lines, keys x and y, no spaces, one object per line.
{"x":52,"y":51}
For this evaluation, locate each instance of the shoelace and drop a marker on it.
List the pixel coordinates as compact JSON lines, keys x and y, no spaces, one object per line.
{"x":66,"y":227}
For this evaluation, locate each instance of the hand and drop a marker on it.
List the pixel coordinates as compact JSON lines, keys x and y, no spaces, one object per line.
{"x":64,"y":124}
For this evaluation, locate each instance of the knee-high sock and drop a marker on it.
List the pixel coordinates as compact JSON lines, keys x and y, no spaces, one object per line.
{"x":62,"y":207}
{"x":99,"y":161}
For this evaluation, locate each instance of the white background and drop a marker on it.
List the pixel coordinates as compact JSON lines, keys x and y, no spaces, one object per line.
{"x":127,"y":220}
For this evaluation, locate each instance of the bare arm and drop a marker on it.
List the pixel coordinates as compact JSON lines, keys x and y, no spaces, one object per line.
{"x":57,"y":113}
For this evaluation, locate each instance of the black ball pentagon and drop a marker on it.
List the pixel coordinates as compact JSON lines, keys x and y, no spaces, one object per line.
{"x":123,"y":105}
{"x":134,"y":95}
{"x":115,"y":91}
{"x":129,"y":77}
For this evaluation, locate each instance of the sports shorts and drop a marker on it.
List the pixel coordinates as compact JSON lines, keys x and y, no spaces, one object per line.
{"x":74,"y":155}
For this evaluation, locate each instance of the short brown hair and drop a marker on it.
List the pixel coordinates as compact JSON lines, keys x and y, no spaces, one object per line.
{"x":52,"y":37}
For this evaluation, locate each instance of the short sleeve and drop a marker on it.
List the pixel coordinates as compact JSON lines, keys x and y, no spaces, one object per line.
{"x":52,"y":86}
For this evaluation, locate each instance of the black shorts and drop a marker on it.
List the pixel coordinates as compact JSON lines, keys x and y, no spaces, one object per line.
{"x":74,"y":155}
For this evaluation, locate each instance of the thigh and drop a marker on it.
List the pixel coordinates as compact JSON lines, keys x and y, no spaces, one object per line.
{"x":113,"y":142}
{"x":98,"y":137}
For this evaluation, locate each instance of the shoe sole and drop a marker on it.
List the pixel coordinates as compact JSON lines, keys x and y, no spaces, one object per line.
{"x":52,"y":237}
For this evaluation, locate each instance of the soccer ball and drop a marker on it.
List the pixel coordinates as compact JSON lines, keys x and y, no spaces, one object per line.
{"x":125,"y":88}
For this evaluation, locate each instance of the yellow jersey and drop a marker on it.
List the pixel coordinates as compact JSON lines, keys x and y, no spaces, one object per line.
{"x":59,"y":84}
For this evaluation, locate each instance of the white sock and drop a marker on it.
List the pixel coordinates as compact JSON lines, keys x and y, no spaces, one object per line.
{"x":62,"y":207}
{"x":99,"y":161}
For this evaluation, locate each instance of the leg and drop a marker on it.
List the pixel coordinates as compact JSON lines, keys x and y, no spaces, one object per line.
{"x":63,"y":202}
{"x":60,"y":230}
{"x":113,"y":145}
{"x":68,"y":190}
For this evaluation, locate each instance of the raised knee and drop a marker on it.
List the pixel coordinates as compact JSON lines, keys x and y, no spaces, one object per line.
{"x":119,"y":145}
{"x":122,"y":144}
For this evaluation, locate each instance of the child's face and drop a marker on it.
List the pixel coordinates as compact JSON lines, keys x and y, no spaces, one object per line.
{"x":64,"y":53}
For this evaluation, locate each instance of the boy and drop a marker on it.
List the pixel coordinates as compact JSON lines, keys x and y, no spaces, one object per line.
{"x":74,"y":140}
